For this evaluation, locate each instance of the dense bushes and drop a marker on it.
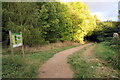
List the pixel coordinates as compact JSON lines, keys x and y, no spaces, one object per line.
{"x":22,"y":17}
{"x":44,"y":22}
{"x":105,"y":30}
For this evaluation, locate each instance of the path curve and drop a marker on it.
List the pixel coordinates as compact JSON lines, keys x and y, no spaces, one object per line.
{"x":57,"y":66}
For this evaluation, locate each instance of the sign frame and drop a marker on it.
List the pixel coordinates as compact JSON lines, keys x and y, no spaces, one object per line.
{"x":12,"y":39}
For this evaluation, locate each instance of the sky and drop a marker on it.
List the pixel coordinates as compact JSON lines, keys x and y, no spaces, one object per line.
{"x":104,"y":9}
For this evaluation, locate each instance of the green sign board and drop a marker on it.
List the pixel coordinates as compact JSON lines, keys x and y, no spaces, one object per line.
{"x":16,"y":39}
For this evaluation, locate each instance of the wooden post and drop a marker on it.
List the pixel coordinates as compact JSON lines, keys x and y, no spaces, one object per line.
{"x":22,"y":44}
{"x":11,"y":44}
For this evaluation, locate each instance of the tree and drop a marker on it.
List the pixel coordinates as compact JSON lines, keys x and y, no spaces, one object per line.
{"x":22,"y":16}
{"x":82,"y":22}
{"x":55,"y":21}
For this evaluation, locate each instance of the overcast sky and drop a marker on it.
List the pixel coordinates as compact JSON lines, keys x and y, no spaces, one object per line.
{"x":104,"y":9}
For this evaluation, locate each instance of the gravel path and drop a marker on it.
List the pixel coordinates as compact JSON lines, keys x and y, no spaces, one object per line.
{"x":57,"y":66}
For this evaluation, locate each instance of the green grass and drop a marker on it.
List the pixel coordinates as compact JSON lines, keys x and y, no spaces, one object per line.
{"x":106,"y":52}
{"x":84,"y":68}
{"x":80,"y":66}
{"x":18,"y":67}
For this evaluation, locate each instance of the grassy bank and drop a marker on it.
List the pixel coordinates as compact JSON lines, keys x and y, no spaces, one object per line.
{"x":109,"y":54}
{"x":104,"y":52}
{"x":94,"y":65}
{"x":18,"y":67}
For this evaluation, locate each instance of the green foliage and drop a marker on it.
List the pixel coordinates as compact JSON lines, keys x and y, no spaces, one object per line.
{"x":22,"y":17}
{"x":105,"y":30}
{"x":55,"y":22}
{"x":44,"y":22}
{"x":82,"y":22}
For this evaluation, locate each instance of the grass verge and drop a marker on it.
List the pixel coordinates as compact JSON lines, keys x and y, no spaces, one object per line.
{"x":80,"y":66}
{"x":92,"y":65}
{"x":18,"y":67}
{"x":104,"y":52}
{"x":109,"y":55}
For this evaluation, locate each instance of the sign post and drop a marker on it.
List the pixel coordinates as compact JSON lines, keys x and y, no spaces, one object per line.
{"x":22,"y":45}
{"x":16,"y":41}
{"x":11,"y":42}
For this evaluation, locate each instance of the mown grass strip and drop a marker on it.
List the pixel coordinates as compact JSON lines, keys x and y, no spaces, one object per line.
{"x":28,"y":66}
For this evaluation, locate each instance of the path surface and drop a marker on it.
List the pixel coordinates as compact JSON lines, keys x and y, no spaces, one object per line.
{"x":57,"y":66}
